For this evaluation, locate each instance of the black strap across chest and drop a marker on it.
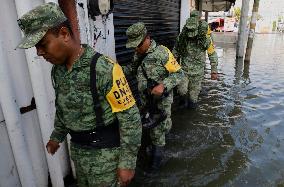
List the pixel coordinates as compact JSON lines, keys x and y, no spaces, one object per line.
{"x":93,"y":87}
{"x":102,"y":136}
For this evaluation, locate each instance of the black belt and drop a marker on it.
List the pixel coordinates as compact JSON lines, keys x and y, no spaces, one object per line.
{"x":99,"y":138}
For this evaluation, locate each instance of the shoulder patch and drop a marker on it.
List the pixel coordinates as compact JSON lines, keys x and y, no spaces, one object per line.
{"x":120,"y":96}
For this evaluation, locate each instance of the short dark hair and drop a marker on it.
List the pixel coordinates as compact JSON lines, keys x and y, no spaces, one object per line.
{"x":55,"y":30}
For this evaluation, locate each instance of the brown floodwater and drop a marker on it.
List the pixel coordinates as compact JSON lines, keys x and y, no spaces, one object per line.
{"x":236,"y":136}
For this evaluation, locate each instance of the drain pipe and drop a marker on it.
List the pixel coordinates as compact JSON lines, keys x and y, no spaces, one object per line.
{"x":14,"y":124}
{"x":40,"y":93}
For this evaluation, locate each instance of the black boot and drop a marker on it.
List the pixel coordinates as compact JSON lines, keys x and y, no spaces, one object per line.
{"x":191,"y":104}
{"x":183,"y":102}
{"x":157,"y":157}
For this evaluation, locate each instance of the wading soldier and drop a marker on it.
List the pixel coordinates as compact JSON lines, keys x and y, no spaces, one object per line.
{"x":93,"y":101}
{"x":190,"y":48}
{"x":157,"y":73}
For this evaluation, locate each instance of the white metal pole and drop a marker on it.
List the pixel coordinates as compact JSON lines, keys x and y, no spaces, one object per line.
{"x":14,"y":124}
{"x":184,"y":13}
{"x":252,"y":30}
{"x":242,"y":33}
{"x":40,"y":93}
{"x":200,"y":8}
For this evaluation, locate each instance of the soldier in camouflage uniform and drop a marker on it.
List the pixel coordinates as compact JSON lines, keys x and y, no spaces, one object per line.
{"x":46,"y":28}
{"x":154,"y":63}
{"x":190,"y":48}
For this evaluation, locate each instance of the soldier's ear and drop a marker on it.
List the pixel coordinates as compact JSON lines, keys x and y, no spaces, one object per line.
{"x":65,"y":34}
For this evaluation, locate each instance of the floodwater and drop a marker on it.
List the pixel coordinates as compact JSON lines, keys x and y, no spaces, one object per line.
{"x":236,"y":136}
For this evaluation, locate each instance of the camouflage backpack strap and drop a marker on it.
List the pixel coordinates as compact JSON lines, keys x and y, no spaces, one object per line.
{"x":93,"y":85}
{"x":102,"y":136}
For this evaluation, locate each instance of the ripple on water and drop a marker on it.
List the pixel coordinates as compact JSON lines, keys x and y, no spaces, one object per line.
{"x":236,"y":136}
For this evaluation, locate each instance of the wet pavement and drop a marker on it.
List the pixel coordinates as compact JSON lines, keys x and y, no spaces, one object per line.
{"x":235,"y":137}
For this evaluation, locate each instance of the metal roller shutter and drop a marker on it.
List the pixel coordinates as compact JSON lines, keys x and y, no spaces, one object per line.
{"x":161,"y":17}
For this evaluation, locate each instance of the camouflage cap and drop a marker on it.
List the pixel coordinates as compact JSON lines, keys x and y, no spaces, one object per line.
{"x":38,"y":21}
{"x":192,"y":24}
{"x":135,"y":33}
{"x":194,"y":13}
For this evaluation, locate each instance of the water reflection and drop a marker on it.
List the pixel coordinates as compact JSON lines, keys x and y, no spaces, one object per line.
{"x":246,"y":72}
{"x":235,"y":137}
{"x":238,"y":70}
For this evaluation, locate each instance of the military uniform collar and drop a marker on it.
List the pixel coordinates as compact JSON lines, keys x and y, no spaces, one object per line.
{"x":152,"y":47}
{"x":84,"y":59}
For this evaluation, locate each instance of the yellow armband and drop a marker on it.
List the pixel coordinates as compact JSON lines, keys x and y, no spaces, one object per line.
{"x":120,"y":96}
{"x":208,"y":31}
{"x":172,"y":64}
{"x":211,"y":48}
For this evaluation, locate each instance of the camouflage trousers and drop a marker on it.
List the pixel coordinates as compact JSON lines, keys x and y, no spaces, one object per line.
{"x":95,"y":168}
{"x":158,"y":133}
{"x":191,"y":87}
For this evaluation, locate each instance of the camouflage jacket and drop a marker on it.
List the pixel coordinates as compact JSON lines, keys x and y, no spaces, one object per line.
{"x":153,"y":63}
{"x":194,"y":56}
{"x":75,"y":108}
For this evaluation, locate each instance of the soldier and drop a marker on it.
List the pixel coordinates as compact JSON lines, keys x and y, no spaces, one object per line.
{"x":157,"y":73}
{"x":93,"y":101}
{"x":190,"y":48}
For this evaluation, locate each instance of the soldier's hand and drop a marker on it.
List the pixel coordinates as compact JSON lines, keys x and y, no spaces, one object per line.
{"x":158,"y":90}
{"x":214,"y":76}
{"x":124,"y":176}
{"x":52,"y":147}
